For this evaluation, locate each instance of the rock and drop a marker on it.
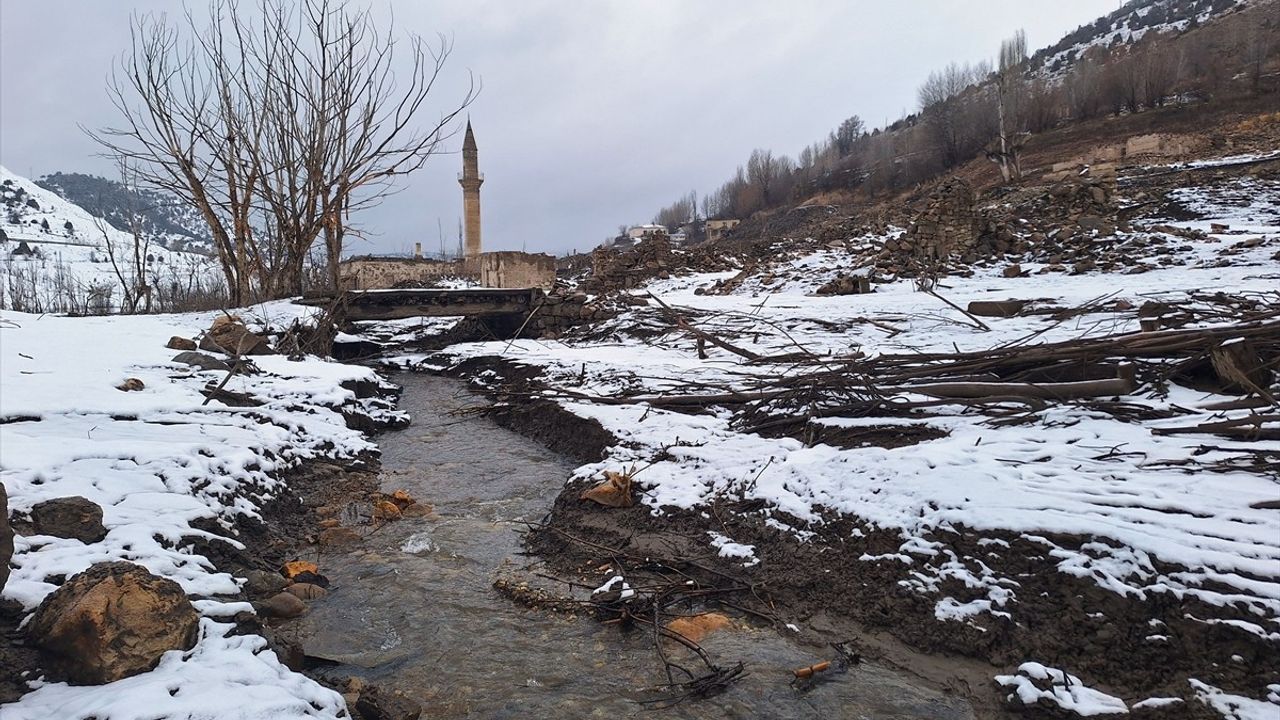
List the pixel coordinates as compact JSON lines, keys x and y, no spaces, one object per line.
{"x":6,"y":538}
{"x":402,"y":498}
{"x":295,"y":568}
{"x":1013,"y":271}
{"x":697,"y":627}
{"x":113,"y":621}
{"x":312,"y":578}
{"x":376,"y":704}
{"x":177,"y":342}
{"x":229,"y":335}
{"x":201,"y":360}
{"x":260,"y":583}
{"x":281,"y":605}
{"x":306,"y":591}
{"x":419,"y":510}
{"x":385,"y":510}
{"x":1090,"y":222}
{"x":614,"y":491}
{"x":131,"y":385}
{"x":337,"y":536}
{"x":76,"y":517}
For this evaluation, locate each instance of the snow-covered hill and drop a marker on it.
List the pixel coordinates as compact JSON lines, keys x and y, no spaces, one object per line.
{"x":1129,"y":24}
{"x":175,"y":224}
{"x":55,"y":256}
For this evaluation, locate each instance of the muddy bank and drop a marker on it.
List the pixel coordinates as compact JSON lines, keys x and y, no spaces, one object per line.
{"x":412,"y":608}
{"x":1131,"y":647}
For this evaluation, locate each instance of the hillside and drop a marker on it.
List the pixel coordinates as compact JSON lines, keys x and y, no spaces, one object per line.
{"x":59,"y":257}
{"x":1129,"y":24}
{"x":174,"y":225}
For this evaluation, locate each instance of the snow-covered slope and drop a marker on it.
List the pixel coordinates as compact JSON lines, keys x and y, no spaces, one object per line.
{"x":1129,"y":24}
{"x":176,"y":224}
{"x":57,"y":257}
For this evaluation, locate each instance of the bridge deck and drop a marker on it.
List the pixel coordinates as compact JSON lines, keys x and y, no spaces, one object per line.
{"x":428,"y":302}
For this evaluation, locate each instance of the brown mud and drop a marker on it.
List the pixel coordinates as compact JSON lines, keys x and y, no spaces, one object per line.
{"x":824,"y":588}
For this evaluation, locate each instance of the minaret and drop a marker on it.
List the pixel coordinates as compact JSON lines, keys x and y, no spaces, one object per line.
{"x":470,"y":180}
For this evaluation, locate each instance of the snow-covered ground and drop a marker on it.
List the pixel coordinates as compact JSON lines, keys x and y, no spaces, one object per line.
{"x":157,"y":460}
{"x":1076,"y":472}
{"x":69,"y":267}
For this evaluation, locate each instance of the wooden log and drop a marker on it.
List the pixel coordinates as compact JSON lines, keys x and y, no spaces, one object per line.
{"x":996,"y":308}
{"x":1044,"y":391}
{"x":1240,"y":367}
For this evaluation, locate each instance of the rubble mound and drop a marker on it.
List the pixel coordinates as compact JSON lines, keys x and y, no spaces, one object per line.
{"x":613,"y":270}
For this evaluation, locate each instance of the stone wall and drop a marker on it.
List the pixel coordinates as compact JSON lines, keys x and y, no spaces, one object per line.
{"x":517,"y":270}
{"x":717,"y":228}
{"x":495,"y":269}
{"x":561,"y":311}
{"x":948,"y":225}
{"x":1154,"y":145}
{"x":623,"y":269}
{"x":377,"y":273}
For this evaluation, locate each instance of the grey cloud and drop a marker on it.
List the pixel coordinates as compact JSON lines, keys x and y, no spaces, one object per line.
{"x":592,"y":113}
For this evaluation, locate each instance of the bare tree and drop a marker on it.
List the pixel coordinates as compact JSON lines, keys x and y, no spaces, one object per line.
{"x":276,"y":125}
{"x":129,"y":258}
{"x":1257,"y":48}
{"x":846,"y":135}
{"x":1084,"y":89}
{"x":944,"y":109}
{"x":1009,"y":96}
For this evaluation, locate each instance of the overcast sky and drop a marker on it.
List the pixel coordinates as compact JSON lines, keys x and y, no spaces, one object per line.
{"x":593,"y":113}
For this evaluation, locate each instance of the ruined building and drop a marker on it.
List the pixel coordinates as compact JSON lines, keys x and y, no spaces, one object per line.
{"x":493,"y":269}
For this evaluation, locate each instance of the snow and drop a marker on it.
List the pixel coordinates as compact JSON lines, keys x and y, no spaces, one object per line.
{"x":738,"y":551}
{"x":76,"y":261}
{"x":625,"y":592}
{"x":223,"y":676}
{"x":1063,"y":690}
{"x":1235,"y":707}
{"x":157,"y":461}
{"x":1147,"y":524}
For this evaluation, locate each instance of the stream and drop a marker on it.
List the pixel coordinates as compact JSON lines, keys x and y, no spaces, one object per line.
{"x":414,"y":608}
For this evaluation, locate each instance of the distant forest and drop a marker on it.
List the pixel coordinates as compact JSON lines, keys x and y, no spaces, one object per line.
{"x":1145,"y":55}
{"x":162,"y":218}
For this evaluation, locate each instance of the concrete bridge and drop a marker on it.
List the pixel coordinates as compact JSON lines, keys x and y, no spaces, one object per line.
{"x":490,"y":303}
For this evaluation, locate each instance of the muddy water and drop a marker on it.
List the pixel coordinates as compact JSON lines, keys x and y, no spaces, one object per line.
{"x":414,"y":608}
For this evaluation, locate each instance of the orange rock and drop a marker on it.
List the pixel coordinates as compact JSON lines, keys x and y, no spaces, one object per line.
{"x":338,"y":536}
{"x":386,"y":510}
{"x":615,"y":491}
{"x":329,"y":523}
{"x":697,"y":627}
{"x":295,"y":568}
{"x":402,"y":498}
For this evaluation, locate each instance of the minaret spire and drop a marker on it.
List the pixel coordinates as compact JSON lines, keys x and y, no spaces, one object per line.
{"x":470,"y":179}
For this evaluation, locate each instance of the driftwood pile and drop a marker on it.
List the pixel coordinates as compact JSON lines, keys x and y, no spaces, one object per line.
{"x":1214,"y":343}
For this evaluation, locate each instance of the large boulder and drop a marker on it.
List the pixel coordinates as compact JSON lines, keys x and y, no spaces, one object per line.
{"x":6,"y":538}
{"x":228,"y":335}
{"x":73,"y":517}
{"x":113,"y":621}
